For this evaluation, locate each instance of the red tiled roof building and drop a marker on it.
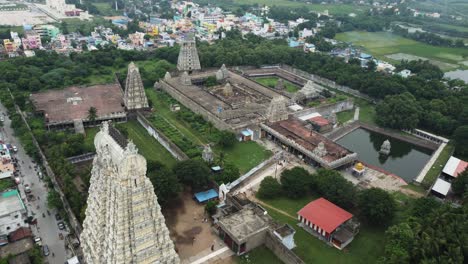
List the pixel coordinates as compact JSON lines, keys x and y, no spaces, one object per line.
{"x":328,"y":222}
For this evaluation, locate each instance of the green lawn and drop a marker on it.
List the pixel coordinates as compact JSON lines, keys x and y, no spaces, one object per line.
{"x":272,"y":81}
{"x":245,"y":155}
{"x":147,"y":145}
{"x":290,"y":206}
{"x":382,"y":44}
{"x":258,"y":255}
{"x":345,"y":116}
{"x":366,"y":111}
{"x":439,"y":164}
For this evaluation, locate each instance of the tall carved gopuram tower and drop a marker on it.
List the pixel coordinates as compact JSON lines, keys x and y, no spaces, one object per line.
{"x":188,"y":56}
{"x":135,"y":97}
{"x":123,"y":221}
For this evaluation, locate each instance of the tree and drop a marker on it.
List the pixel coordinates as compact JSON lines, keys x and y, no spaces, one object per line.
{"x":460,"y":135}
{"x":211,"y":207}
{"x":194,"y":173}
{"x":460,"y":184}
{"x":371,"y":65}
{"x":227,"y":139}
{"x":53,"y":200}
{"x":398,"y":111}
{"x":229,"y":174}
{"x":377,"y":206}
{"x":334,"y":187}
{"x":269,"y":188}
{"x":165,"y":183}
{"x":92,"y":113}
{"x":295,"y":182}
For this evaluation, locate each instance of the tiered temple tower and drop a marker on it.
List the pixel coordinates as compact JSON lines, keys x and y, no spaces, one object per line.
{"x":277,"y":110}
{"x":135,"y":97}
{"x":123,"y":221}
{"x":188,"y":57}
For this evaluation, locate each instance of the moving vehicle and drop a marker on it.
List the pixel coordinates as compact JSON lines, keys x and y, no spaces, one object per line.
{"x":45,"y":250}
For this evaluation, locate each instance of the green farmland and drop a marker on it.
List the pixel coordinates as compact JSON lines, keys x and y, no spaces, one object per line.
{"x":334,"y":9}
{"x":391,"y":47}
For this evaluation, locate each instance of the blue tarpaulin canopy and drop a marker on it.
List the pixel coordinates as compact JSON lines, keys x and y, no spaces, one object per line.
{"x":206,"y":195}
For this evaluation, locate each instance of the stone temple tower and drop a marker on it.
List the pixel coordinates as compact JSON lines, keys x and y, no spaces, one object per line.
{"x":123,"y":221}
{"x":188,"y":57}
{"x":135,"y":97}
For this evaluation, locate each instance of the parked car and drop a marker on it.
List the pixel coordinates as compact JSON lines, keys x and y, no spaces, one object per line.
{"x":61,"y":225}
{"x":38,"y":241}
{"x":40,"y":175}
{"x":45,"y":250}
{"x":27,"y":189}
{"x":15,"y":148}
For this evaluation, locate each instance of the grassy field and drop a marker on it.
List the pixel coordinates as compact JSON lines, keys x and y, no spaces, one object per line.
{"x":345,"y":116}
{"x":439,"y":164}
{"x":147,"y":146}
{"x":334,"y":9}
{"x":106,"y":9}
{"x":272,"y":81}
{"x":244,"y":155}
{"x":382,"y":44}
{"x":366,"y":111}
{"x":366,"y":247}
{"x":258,"y":255}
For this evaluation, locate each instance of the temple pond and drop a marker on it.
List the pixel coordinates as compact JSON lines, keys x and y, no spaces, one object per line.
{"x":405,"y":159}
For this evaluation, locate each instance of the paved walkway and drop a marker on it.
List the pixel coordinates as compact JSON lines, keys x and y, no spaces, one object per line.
{"x":356,"y":114}
{"x":206,"y":258}
{"x":430,"y":163}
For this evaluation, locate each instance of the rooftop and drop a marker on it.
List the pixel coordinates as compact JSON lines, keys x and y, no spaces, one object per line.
{"x":245,"y":222}
{"x":325,"y":214}
{"x":455,"y":166}
{"x":441,"y":187}
{"x":10,"y":202}
{"x":295,"y":130}
{"x":74,"y":102}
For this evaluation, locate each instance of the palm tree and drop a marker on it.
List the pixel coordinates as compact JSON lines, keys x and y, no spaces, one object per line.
{"x":92,"y":113}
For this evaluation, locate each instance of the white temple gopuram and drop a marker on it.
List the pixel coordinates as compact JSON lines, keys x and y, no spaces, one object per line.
{"x":123,"y":221}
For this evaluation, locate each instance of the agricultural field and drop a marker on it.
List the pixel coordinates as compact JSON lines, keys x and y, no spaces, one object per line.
{"x":393,"y":48}
{"x":272,"y":81}
{"x":191,"y":136}
{"x":334,"y":9}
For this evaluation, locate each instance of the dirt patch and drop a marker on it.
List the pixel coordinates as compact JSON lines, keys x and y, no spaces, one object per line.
{"x":188,"y":228}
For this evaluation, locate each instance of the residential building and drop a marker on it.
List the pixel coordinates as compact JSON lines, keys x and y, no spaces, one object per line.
{"x":13,"y":212}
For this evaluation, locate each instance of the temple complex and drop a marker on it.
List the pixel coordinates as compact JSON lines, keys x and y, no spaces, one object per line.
{"x":123,"y":223}
{"x":135,"y":96}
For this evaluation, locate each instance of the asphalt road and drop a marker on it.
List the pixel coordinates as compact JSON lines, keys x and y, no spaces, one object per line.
{"x":46,"y":227}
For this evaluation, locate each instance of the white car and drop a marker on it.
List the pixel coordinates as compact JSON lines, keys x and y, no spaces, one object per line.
{"x":38,"y":241}
{"x":2,"y":119}
{"x":15,"y":149}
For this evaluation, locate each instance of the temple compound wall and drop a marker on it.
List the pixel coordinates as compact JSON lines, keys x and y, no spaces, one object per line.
{"x":280,"y":250}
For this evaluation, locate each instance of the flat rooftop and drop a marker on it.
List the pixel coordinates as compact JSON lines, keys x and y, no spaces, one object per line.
{"x":295,"y":130}
{"x":244,"y":223}
{"x":74,"y":102}
{"x":10,"y":202}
